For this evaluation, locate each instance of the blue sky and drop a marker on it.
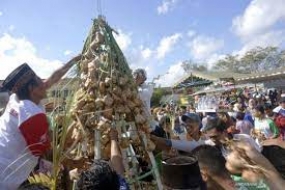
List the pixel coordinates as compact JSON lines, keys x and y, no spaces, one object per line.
{"x":154,"y":34}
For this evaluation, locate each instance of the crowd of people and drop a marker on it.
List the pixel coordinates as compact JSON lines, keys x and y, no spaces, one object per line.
{"x":243,"y":148}
{"x":255,"y":127}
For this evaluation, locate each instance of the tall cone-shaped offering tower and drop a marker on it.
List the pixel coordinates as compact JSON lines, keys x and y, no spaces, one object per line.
{"x":108,"y":98}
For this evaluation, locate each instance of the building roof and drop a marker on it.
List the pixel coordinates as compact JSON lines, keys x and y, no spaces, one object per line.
{"x":193,"y":81}
{"x":263,"y":77}
{"x":197,"y":78}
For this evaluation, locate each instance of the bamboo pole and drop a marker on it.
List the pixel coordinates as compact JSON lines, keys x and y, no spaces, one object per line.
{"x":154,"y":166}
{"x":97,"y":146}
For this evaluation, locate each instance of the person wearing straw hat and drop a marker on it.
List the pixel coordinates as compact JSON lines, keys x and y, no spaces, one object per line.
{"x":24,"y":126}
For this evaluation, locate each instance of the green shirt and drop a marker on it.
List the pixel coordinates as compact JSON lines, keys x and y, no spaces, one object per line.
{"x":241,"y":184}
{"x":267,"y":127}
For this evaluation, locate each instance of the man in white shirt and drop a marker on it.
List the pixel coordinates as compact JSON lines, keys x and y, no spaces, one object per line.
{"x":145,"y":92}
{"x":215,"y":135}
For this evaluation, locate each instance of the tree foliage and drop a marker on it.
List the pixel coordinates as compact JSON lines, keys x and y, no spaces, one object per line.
{"x":189,"y":65}
{"x":253,"y":61}
{"x":158,"y":93}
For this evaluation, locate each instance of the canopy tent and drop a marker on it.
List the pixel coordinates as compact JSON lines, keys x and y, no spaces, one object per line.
{"x":198,"y":79}
{"x":222,"y":89}
{"x":193,"y":81}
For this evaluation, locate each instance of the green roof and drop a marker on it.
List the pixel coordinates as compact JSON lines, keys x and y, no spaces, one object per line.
{"x":196,"y":78}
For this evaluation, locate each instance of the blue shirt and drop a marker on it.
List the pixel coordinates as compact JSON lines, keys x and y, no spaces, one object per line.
{"x":123,"y":183}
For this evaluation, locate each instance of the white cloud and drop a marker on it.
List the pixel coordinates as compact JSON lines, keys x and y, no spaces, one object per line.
{"x":166,"y":45}
{"x":146,"y":53}
{"x":143,"y":57}
{"x":47,"y":48}
{"x":191,"y":33}
{"x":1,"y":13}
{"x":258,"y":17}
{"x":11,"y":28}
{"x":140,"y":57}
{"x":123,"y":39}
{"x":67,"y":52}
{"x":257,"y":25}
{"x":15,"y":51}
{"x":173,"y":75}
{"x":212,"y":60}
{"x":166,"y":6}
{"x":271,"y":38}
{"x":148,"y":57}
{"x":202,"y":47}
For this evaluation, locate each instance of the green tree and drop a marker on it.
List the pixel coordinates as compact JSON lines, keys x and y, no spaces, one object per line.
{"x":253,"y":61}
{"x":189,"y":66}
{"x":229,"y":63}
{"x":254,"y":58}
{"x":158,"y":93}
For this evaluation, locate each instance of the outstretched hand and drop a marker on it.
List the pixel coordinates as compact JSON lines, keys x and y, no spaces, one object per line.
{"x":247,"y":161}
{"x":56,"y":76}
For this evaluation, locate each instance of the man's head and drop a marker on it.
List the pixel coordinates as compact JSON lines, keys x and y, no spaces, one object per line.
{"x":224,"y":116}
{"x":25,"y":83}
{"x":240,"y":116}
{"x":99,"y":176}
{"x":192,"y":123}
{"x":214,"y":129}
{"x":190,"y":107}
{"x":251,"y":103}
{"x":268,"y":109}
{"x":258,"y":111}
{"x":182,"y":110}
{"x":140,"y":76}
{"x":211,"y":163}
{"x":282,"y":102}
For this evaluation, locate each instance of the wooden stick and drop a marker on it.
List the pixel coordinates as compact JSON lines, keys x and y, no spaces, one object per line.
{"x":97,"y":146}
{"x":154,"y":166}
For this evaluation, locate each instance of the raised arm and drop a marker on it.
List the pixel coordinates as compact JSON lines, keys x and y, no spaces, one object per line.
{"x":253,"y":166}
{"x":56,"y":76}
{"x":116,"y":157}
{"x":167,"y":144}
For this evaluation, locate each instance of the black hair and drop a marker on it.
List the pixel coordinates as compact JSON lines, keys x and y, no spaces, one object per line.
{"x":215,"y":122}
{"x":183,"y":107}
{"x":211,"y":158}
{"x":268,"y":107}
{"x":23,"y":93}
{"x":192,"y":117}
{"x":35,"y":186}
{"x":259,"y":108}
{"x":100,"y":176}
{"x":233,"y":119}
{"x":240,"y":115}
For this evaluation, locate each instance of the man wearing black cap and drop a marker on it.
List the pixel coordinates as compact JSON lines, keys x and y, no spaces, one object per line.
{"x":24,"y":125}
